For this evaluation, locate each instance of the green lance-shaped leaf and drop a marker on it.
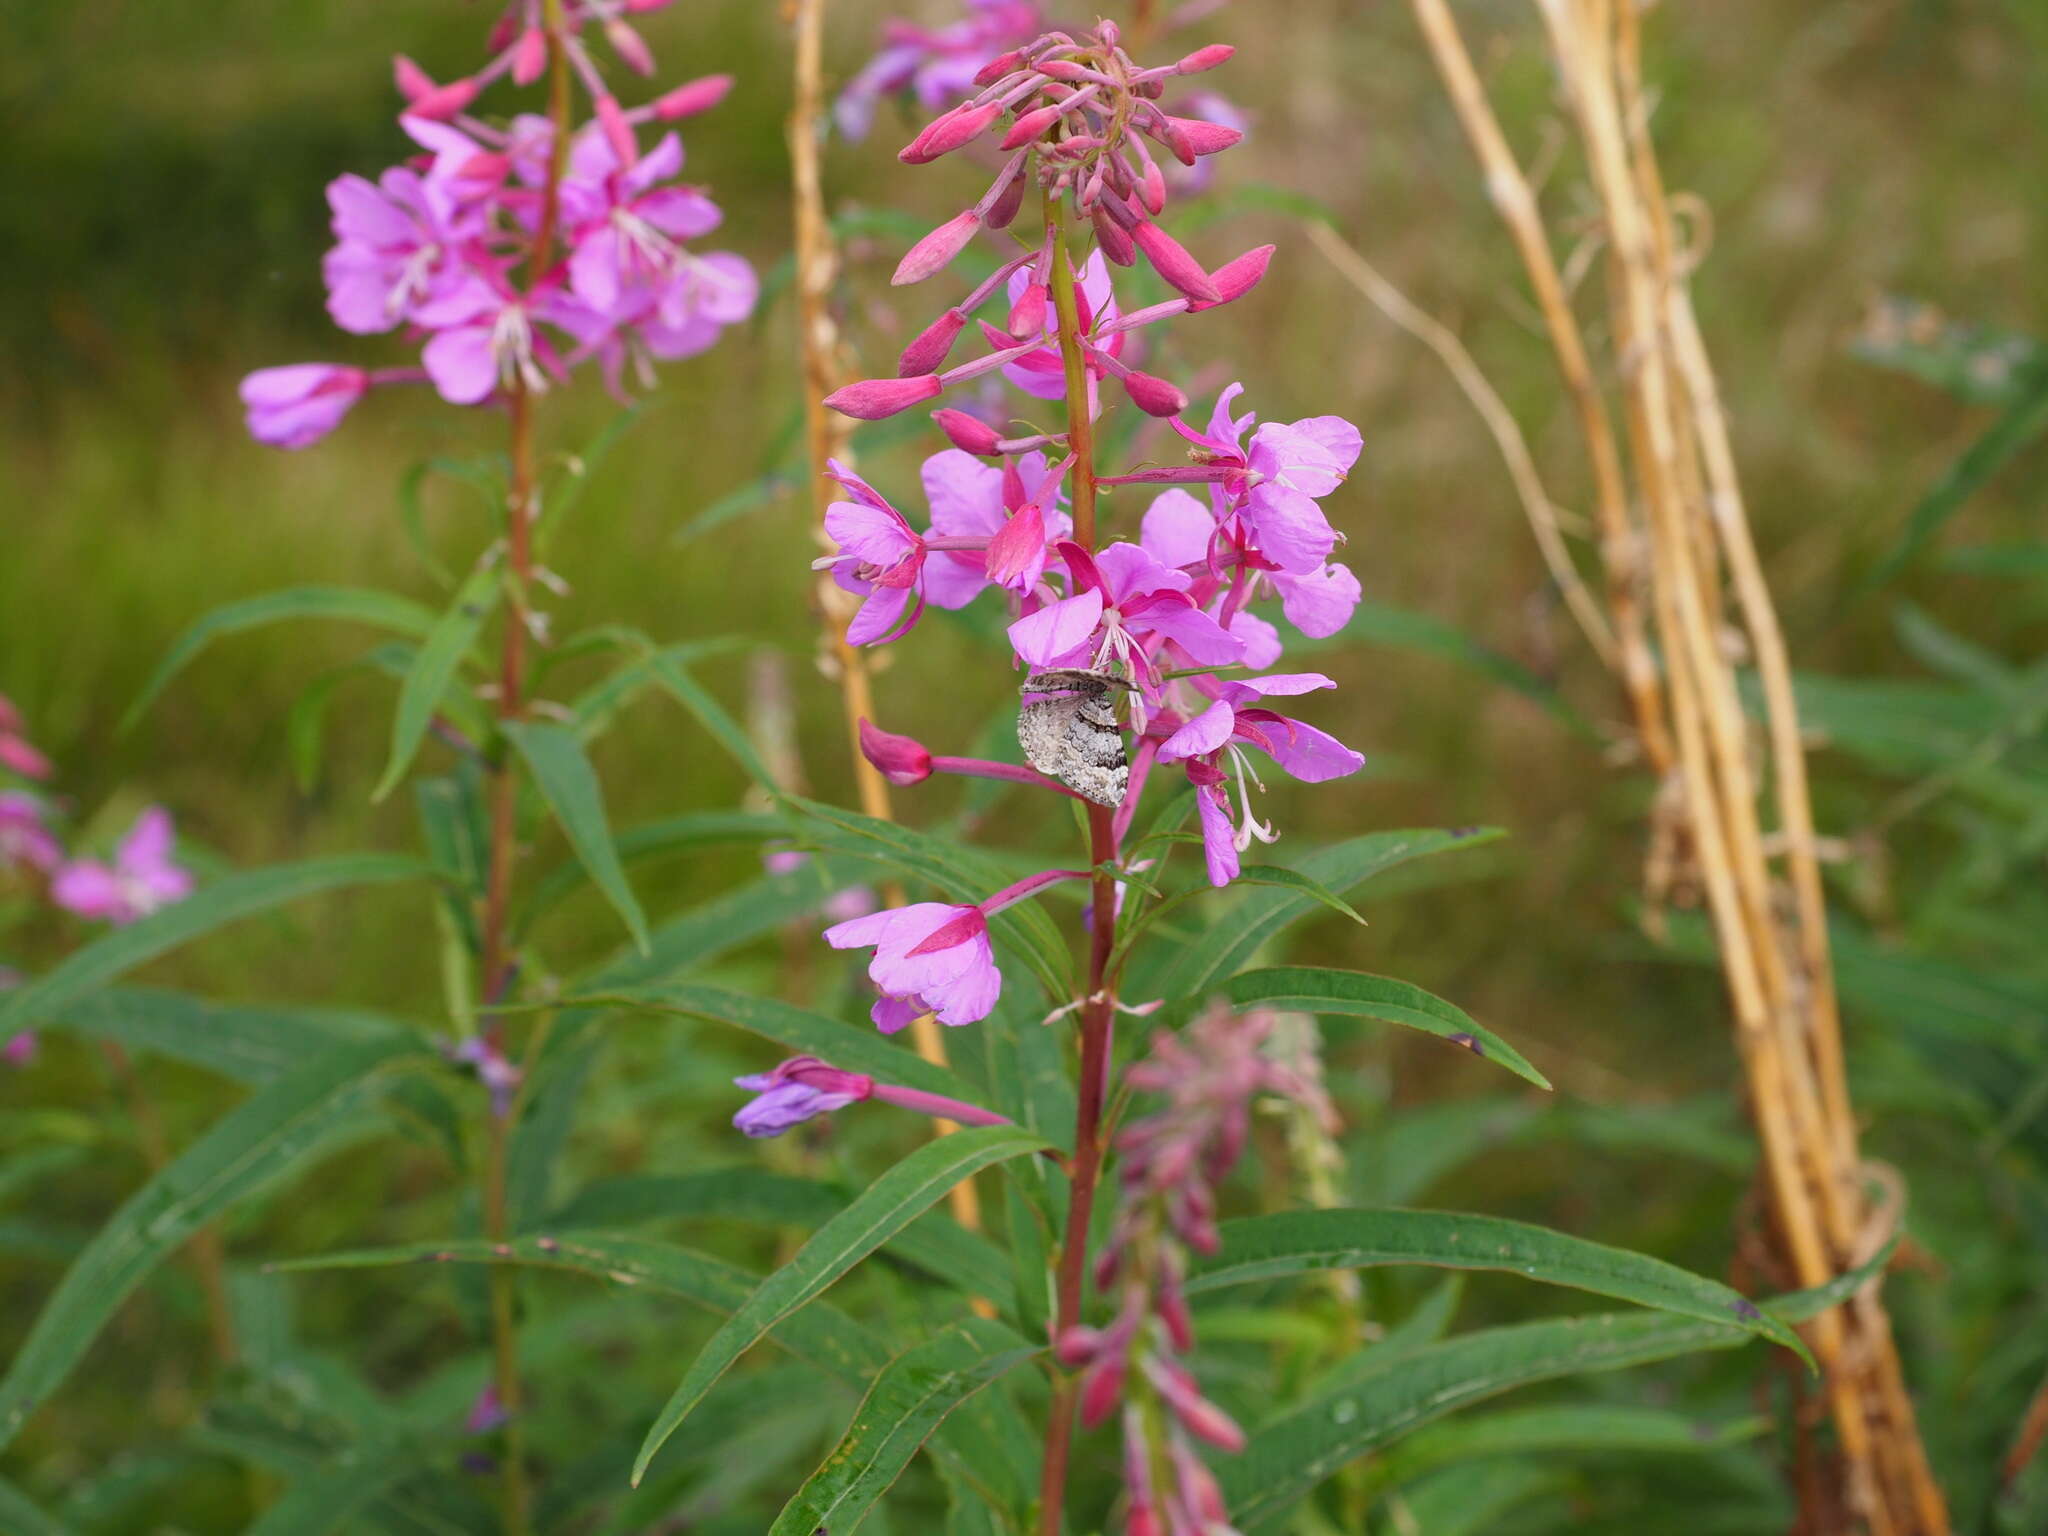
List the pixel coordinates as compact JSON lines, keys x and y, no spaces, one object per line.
{"x":1470,"y":1501}
{"x":668,"y":669}
{"x":212,"y":906}
{"x":382,"y":610}
{"x":1313,"y":989}
{"x":246,"y":1042}
{"x":806,"y":1033}
{"x":820,"y":1335}
{"x":1302,"y":1242}
{"x":1559,"y":1430}
{"x":569,"y":785}
{"x":883,"y":1209}
{"x":654,"y":839}
{"x":1290,"y":1456}
{"x":1196,"y":969}
{"x":247,"y":1150}
{"x":434,"y":667}
{"x":906,"y":1403}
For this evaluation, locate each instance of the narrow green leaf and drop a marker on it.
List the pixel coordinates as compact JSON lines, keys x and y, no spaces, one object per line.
{"x":883,"y":1209}
{"x":569,"y":785}
{"x":673,"y":834}
{"x":1294,"y":880}
{"x":247,"y":1150}
{"x":250,"y":1043}
{"x":382,"y":610}
{"x":909,"y":1398}
{"x":1977,"y":363}
{"x":1314,"y":989}
{"x":805,"y":1033}
{"x":741,"y":1192}
{"x":2017,"y":426}
{"x":674,"y":677}
{"x":434,"y":667}
{"x":1303,"y":1242}
{"x":212,"y":906}
{"x":1188,"y":974}
{"x":1290,"y":1456}
{"x":1470,"y":1501}
{"x":821,"y":1335}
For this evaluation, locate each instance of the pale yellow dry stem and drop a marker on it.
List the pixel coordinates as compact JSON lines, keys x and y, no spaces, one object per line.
{"x":1677,"y":507}
{"x":830,"y":437}
{"x":1500,"y":421}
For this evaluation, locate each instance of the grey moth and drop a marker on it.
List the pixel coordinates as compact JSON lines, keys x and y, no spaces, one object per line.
{"x":1067,"y":728}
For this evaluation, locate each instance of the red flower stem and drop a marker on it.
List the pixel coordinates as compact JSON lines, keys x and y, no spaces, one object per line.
{"x":514,"y":1494}
{"x":1098,"y":1004}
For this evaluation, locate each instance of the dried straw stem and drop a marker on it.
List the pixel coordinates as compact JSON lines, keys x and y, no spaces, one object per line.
{"x":822,"y":352}
{"x":1672,"y":512}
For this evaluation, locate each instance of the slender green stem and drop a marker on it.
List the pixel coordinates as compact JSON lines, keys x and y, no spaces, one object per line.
{"x":1098,"y":1003}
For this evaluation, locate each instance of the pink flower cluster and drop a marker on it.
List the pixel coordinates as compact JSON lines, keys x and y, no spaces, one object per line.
{"x":1170,"y":1164}
{"x":142,"y":875}
{"x":442,"y":246}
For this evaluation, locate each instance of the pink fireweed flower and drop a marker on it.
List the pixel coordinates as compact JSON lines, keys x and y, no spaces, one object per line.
{"x":627,"y":227}
{"x":1212,"y":745}
{"x":141,"y":878}
{"x":1180,"y":531}
{"x":995,"y":523}
{"x":881,"y":559}
{"x":25,"y":835}
{"x":935,"y":957}
{"x":934,"y":65}
{"x":1121,"y":598}
{"x":300,"y":403}
{"x":397,"y":244}
{"x":488,"y":337}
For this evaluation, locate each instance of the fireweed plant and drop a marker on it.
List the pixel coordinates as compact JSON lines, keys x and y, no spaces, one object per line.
{"x":1146,"y":613}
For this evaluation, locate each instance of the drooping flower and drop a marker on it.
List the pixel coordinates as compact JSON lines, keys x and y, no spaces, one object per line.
{"x":142,"y":877}
{"x":930,"y":957}
{"x":300,"y":403}
{"x":797,"y":1090}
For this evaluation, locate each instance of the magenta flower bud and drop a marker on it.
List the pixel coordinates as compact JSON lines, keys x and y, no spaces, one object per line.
{"x":1101,"y":1389}
{"x":937,"y":249}
{"x":530,"y":56}
{"x":443,"y":102}
{"x":1114,"y":240}
{"x":1002,"y":208}
{"x":929,"y":349}
{"x":968,"y":433}
{"x":1064,"y":69}
{"x":20,"y":1049}
{"x":1206,"y":138}
{"x":619,"y":133}
{"x":1235,"y":279}
{"x":1154,"y":396}
{"x":797,"y":1090}
{"x":1205,"y":58}
{"x":877,"y":399}
{"x":630,"y":46}
{"x":903,"y":760}
{"x":1152,"y":189}
{"x":1170,"y":259}
{"x":1167,"y":131}
{"x":699,"y":95}
{"x":412,"y":81}
{"x":947,"y":133}
{"x":1031,"y":125}
{"x":998,"y":67}
{"x":1077,"y":1346}
{"x":1027,"y":315}
{"x":503,"y":30}
{"x":641,"y":7}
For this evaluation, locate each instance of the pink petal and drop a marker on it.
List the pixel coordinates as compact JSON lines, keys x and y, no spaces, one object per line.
{"x":1308,"y":754}
{"x":1219,"y":846}
{"x":1177,"y":528}
{"x":89,"y":890}
{"x":873,"y":535}
{"x":1290,"y":528}
{"x":965,"y":495}
{"x":462,"y":365}
{"x":1043,"y":637}
{"x":1321,"y":603}
{"x":1200,"y":736}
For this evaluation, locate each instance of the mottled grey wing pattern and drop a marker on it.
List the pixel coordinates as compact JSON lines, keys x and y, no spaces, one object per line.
{"x":1068,"y":731}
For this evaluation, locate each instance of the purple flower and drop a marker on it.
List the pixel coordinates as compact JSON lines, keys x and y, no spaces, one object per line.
{"x":930,"y":957}
{"x":628,"y":227}
{"x":797,"y":1090}
{"x":1122,"y":595}
{"x":1011,"y":511}
{"x":486,"y":1413}
{"x":25,"y":836}
{"x":500,"y":1077}
{"x":1272,"y":484}
{"x":294,"y":406}
{"x":141,"y":879}
{"x":1236,"y":719}
{"x":881,"y":559}
{"x":396,"y":243}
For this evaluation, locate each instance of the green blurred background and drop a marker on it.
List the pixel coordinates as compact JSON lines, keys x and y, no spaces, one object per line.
{"x":162,"y":222}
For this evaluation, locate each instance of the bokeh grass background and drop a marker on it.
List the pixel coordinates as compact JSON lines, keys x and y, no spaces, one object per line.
{"x":161,"y":227}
